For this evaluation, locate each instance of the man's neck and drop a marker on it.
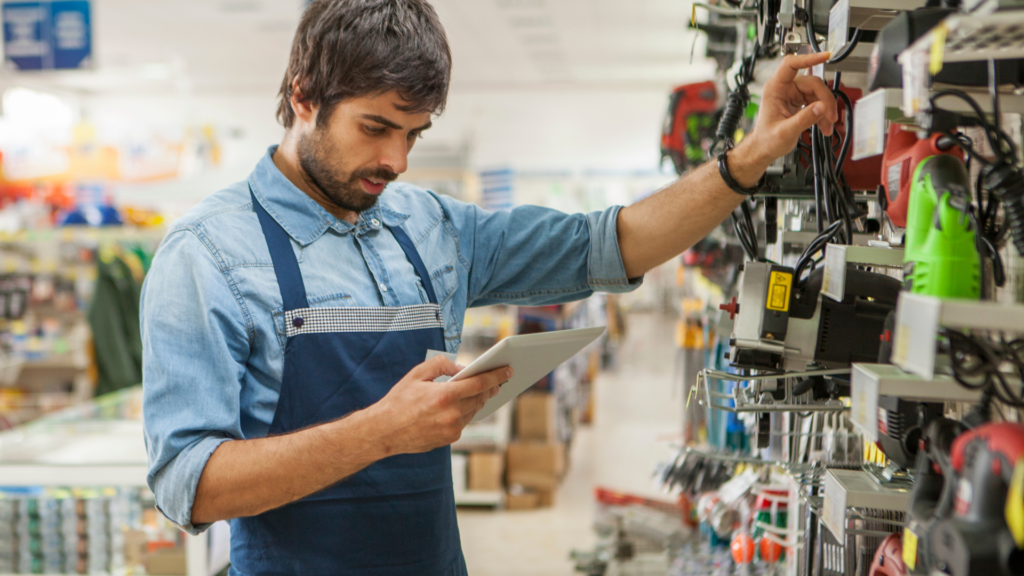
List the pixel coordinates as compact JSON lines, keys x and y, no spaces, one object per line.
{"x":286,"y":158}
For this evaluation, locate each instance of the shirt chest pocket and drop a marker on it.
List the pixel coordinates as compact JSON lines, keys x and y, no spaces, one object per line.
{"x":445,"y":282}
{"x":325,"y":302}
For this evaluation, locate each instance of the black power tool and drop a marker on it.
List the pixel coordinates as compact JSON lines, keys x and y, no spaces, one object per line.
{"x":932,"y":498}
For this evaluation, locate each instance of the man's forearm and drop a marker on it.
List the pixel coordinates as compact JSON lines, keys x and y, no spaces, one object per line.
{"x":662,"y":226}
{"x":248,"y":477}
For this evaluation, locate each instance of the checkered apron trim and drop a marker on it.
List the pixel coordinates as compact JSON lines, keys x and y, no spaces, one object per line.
{"x":380,"y":319}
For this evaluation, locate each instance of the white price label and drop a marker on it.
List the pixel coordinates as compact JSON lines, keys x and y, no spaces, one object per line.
{"x":869,"y":125}
{"x":915,"y":82}
{"x":838,"y":26}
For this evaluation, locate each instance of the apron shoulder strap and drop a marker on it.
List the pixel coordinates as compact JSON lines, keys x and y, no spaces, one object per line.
{"x":417,"y":262}
{"x":286,"y":267}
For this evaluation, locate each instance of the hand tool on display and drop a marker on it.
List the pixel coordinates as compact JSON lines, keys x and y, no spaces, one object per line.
{"x":941,"y":246}
{"x":901,"y":425}
{"x":780,"y":319}
{"x":885,"y":71}
{"x":932,"y":497}
{"x":904,"y":152}
{"x":690,"y":125}
{"x":976,"y":538}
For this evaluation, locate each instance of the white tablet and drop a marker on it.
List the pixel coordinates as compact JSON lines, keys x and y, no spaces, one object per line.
{"x":531,"y":356}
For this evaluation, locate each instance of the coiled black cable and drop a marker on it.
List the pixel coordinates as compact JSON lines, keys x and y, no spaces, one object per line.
{"x":735,"y":106}
{"x":976,"y":362}
{"x":1006,"y":183}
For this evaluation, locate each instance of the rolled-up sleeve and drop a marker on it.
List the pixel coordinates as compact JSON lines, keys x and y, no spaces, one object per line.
{"x":195,"y":347}
{"x":537,"y":256}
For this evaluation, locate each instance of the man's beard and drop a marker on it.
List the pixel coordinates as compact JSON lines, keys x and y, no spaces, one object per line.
{"x":343,"y":190}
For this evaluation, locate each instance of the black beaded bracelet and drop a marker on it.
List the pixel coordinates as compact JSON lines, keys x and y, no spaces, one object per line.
{"x":723,"y":169}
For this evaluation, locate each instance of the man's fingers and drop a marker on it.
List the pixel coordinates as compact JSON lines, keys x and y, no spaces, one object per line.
{"x":814,"y":90}
{"x":814,"y":114}
{"x":433,"y":368}
{"x":793,"y":64}
{"x":481,"y":383}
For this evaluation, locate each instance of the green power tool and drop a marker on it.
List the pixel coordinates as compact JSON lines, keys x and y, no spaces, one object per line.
{"x":941,"y":255}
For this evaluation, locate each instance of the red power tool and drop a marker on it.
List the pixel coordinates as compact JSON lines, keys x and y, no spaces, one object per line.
{"x":903,"y":152}
{"x":860,"y":174}
{"x":690,"y":124}
{"x":976,"y":540}
{"x":888,"y":559}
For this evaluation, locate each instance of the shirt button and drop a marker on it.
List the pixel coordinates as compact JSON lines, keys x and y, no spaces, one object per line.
{"x":383,"y":288}
{"x":298,"y":322}
{"x":375,"y":222}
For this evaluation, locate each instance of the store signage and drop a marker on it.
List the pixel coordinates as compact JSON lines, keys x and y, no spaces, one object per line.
{"x":54,"y":35}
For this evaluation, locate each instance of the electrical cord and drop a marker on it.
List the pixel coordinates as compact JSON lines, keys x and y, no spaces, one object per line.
{"x":976,"y":362}
{"x":1003,"y":178}
{"x":813,"y":39}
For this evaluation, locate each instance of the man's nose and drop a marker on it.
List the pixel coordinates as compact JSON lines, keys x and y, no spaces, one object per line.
{"x":395,"y":156}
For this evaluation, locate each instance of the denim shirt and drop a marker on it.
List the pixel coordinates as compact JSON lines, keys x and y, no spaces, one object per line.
{"x":213,"y":329}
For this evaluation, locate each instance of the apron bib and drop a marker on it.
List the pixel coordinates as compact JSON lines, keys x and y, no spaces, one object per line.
{"x":396,"y":516}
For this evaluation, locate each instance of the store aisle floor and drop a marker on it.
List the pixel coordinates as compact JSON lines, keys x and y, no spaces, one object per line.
{"x":636,"y":409}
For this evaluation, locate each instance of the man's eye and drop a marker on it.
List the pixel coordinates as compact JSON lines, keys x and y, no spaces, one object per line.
{"x":375,"y":130}
{"x":415,"y":135}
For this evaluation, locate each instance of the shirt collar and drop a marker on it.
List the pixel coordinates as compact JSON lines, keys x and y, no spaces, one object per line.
{"x":300,"y":216}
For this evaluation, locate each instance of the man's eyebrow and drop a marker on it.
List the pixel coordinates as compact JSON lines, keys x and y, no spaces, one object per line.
{"x":381,"y":120}
{"x":384,"y":121}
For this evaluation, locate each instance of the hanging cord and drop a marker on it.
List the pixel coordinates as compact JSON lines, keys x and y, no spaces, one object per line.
{"x":735,"y":105}
{"x":976,"y":362}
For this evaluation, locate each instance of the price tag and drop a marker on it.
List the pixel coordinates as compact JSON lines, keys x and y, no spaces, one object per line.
{"x":1015,"y":504}
{"x":917,"y":321}
{"x":938,"y":50}
{"x":838,"y":26}
{"x":869,"y":125}
{"x":834,"y":283}
{"x":915,"y":82}
{"x":909,"y":548}
{"x":864,"y":405}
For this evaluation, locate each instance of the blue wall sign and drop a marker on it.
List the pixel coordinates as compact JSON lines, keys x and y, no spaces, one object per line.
{"x":53,"y":35}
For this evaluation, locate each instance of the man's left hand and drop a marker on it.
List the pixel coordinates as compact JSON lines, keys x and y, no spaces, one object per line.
{"x":790,"y":104}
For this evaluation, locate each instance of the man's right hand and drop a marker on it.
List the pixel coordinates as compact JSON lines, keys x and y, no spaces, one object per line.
{"x":423,"y":415}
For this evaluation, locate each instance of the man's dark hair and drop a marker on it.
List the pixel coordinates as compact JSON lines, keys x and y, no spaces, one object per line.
{"x":351,"y":48}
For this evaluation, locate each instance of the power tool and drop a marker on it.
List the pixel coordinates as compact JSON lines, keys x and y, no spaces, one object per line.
{"x":904,"y":151}
{"x":976,"y":539}
{"x":941,"y":255}
{"x":690,"y":125}
{"x":888,"y":560}
{"x":785,"y":321}
{"x":901,"y":425}
{"x":885,"y":71}
{"x":932,"y":497}
{"x":791,"y":176}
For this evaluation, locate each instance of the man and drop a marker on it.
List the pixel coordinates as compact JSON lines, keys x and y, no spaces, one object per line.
{"x":286,"y":318}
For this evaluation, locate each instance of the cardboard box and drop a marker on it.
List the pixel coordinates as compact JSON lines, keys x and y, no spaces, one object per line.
{"x":533,"y":480}
{"x":522,"y":501}
{"x":536,"y":457}
{"x":546,"y":498}
{"x":535,"y":417}
{"x":486,"y":470}
{"x":169,"y":561}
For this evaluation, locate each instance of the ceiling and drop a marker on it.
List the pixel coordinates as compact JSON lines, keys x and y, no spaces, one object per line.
{"x":233,"y":46}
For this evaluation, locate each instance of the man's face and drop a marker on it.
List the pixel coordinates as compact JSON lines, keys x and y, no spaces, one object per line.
{"x":363,"y":146}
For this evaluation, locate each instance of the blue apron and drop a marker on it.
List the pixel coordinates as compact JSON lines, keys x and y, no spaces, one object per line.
{"x":396,"y":516}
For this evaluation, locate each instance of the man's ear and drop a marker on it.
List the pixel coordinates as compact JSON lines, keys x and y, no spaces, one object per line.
{"x":304,"y":110}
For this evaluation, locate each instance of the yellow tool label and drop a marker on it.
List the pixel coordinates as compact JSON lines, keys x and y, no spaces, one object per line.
{"x":909,"y":548}
{"x":1015,"y":504}
{"x":779,"y":287}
